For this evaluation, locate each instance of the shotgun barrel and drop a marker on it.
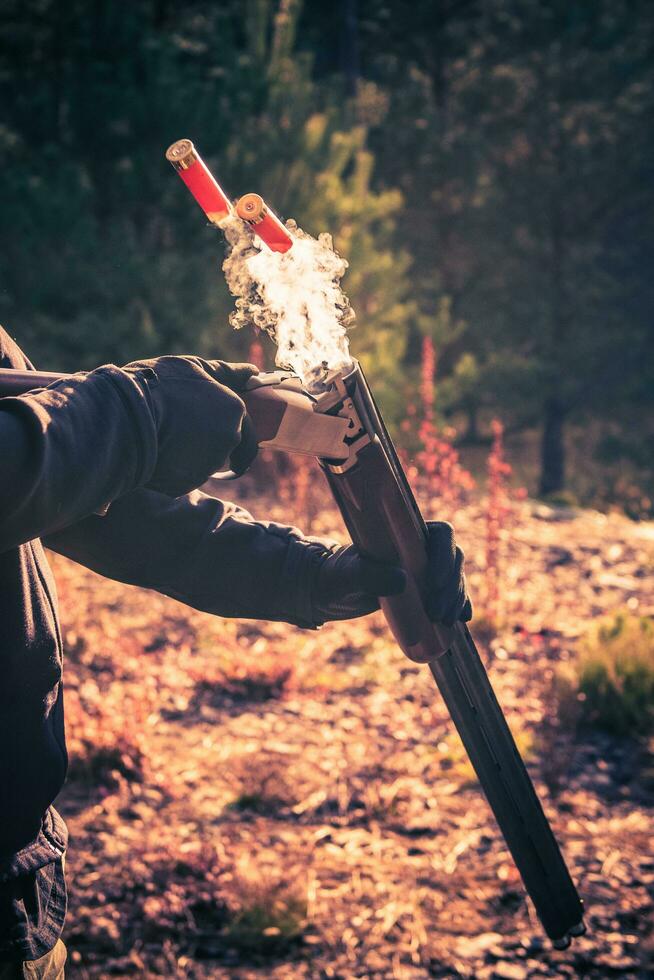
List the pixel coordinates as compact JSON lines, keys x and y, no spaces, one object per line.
{"x":384,"y":522}
{"x":15,"y":382}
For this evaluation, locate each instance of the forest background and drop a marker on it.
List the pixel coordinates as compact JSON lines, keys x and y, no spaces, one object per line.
{"x":484,"y":165}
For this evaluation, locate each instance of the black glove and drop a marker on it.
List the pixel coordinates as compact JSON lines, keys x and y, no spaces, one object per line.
{"x":347,"y":585}
{"x":199,"y":418}
{"x":447,"y":599}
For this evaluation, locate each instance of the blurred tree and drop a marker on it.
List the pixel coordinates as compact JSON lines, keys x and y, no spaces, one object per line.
{"x":319,"y":171}
{"x":106,"y":256}
{"x":567,"y":89}
{"x":525,"y":124}
{"x":97,"y":262}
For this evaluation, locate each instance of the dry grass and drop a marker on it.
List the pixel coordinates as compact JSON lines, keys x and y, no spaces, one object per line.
{"x":454,"y":759}
{"x":244,"y":675}
{"x":267,"y":914}
{"x":107,"y":735}
{"x":262,"y":783}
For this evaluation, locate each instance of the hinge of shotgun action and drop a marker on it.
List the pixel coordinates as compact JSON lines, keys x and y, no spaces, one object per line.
{"x":337,"y":401}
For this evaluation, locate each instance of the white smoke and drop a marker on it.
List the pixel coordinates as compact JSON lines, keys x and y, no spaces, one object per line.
{"x":294,"y":296}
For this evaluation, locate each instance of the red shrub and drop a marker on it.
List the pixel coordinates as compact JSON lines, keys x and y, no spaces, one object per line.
{"x":437,"y":460}
{"x":255,"y":354}
{"x":497,"y":512}
{"x":427,"y":378}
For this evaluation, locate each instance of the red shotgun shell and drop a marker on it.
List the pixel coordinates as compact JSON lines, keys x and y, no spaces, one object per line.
{"x":203,"y":186}
{"x":265,"y":223}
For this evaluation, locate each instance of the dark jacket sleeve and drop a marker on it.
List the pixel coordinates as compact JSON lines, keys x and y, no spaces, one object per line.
{"x":210,"y":555}
{"x":69,"y":449}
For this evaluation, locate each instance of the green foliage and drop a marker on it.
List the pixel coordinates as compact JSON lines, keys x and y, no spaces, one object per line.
{"x":362,"y":223}
{"x":612,"y":680}
{"x":319,"y":171}
{"x":528,"y":194}
{"x":97,"y":263}
{"x":106,"y":256}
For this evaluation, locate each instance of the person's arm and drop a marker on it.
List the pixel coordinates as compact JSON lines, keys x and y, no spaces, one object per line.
{"x":68,"y":450}
{"x":211,"y":555}
{"x":216,"y":557}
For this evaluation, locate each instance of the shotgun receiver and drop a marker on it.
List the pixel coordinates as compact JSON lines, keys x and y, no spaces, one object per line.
{"x":343,"y":428}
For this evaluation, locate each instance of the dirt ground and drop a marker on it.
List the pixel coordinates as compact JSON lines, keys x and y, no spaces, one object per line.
{"x":252,"y":800}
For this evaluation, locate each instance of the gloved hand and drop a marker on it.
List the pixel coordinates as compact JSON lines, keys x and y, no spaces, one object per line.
{"x":447,"y":598}
{"x":347,"y":585}
{"x":199,"y":416}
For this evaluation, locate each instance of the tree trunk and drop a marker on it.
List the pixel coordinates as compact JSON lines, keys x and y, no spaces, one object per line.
{"x":552,"y":472}
{"x":472,"y":428}
{"x":350,"y":45}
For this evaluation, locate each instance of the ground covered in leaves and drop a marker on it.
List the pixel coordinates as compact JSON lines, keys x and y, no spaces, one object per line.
{"x":251,"y":800}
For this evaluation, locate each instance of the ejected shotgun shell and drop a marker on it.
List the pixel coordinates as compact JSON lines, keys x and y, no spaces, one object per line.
{"x":198,"y":178}
{"x":265,"y":223}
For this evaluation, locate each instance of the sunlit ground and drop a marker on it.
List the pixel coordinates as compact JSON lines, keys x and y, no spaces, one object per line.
{"x":249,"y":799}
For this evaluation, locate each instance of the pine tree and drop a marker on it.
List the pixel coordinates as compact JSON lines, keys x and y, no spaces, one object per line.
{"x":309,"y":159}
{"x":107,"y":257}
{"x":527,"y":200}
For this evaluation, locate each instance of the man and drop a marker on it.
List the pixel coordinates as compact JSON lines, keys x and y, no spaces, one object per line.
{"x":104,"y":468}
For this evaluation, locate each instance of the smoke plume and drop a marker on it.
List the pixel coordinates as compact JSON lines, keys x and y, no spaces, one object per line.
{"x":294,"y":296}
